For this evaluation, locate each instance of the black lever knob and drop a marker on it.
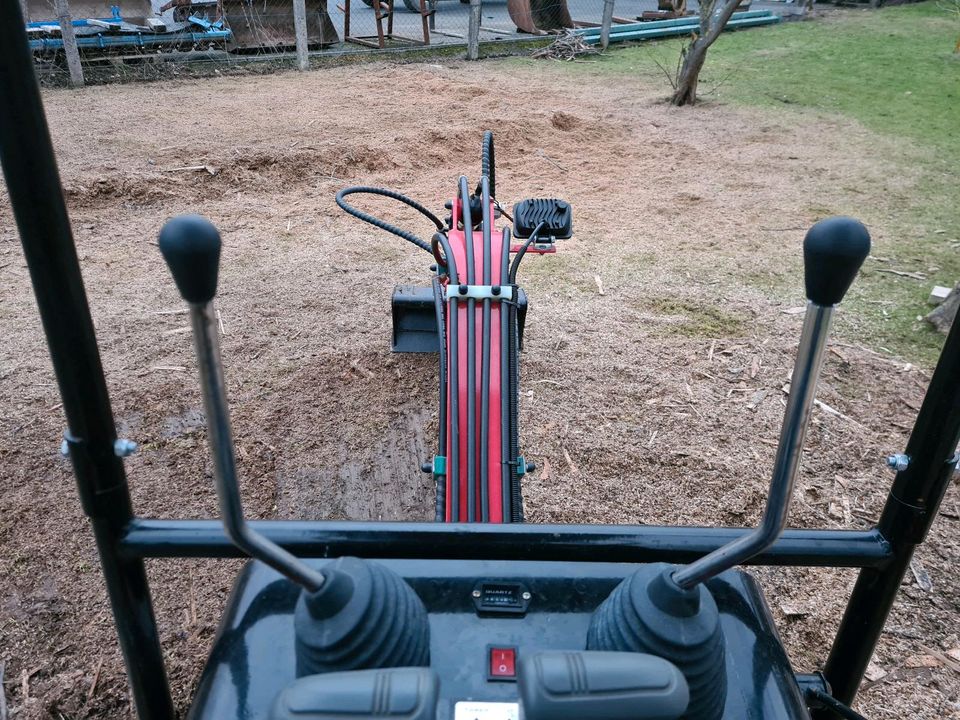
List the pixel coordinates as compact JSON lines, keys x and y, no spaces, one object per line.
{"x":191,"y":246}
{"x":575,"y":684}
{"x":833,"y":251}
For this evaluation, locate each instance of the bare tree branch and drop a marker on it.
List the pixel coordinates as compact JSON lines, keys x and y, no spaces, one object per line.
{"x":672,"y":79}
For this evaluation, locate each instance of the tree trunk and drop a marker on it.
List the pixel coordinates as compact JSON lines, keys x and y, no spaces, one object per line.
{"x":714,"y":15}
{"x":686,"y":90}
{"x":943,"y":315}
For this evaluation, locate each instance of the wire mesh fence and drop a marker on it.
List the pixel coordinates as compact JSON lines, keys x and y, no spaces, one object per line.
{"x":120,"y":40}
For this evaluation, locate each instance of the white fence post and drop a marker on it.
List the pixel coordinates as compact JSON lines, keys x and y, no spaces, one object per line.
{"x":607,"y":22}
{"x":300,"y":27}
{"x":69,"y":43}
{"x":473,"y":35}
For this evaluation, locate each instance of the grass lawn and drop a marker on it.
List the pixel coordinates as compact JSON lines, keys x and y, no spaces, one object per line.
{"x":894,"y":71}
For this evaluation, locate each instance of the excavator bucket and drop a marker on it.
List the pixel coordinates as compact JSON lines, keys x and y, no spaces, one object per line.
{"x":537,"y":16}
{"x":268,"y":24}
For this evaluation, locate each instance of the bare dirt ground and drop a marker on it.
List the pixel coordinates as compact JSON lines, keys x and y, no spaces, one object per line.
{"x":656,"y":401}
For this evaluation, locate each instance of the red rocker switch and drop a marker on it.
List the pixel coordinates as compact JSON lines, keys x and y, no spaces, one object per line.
{"x":503,"y":663}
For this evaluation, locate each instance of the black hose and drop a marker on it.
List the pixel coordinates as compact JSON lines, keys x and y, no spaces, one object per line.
{"x":441,"y":258}
{"x":516,"y":495}
{"x":471,"y":358}
{"x":453,"y":454}
{"x":441,"y":480}
{"x":446,"y":393}
{"x":488,"y":162}
{"x":829,"y":701}
{"x":447,"y":261}
{"x":382,"y":224}
{"x":505,"y":387}
{"x":523,"y":251}
{"x":485,"y":228}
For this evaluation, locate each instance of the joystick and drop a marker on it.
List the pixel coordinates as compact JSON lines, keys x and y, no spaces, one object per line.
{"x":352,"y":614}
{"x":668,"y":611}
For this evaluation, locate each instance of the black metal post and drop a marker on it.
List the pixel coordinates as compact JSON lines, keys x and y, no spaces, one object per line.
{"x":32,"y":179}
{"x":909,"y":512}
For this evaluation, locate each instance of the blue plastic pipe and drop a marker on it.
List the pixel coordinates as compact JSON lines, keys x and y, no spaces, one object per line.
{"x":655,"y":24}
{"x":131,"y":40}
{"x":679,"y":30}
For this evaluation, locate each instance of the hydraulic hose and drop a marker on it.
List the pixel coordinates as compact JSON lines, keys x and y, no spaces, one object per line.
{"x":505,"y":387}
{"x":516,"y":496}
{"x":449,"y":263}
{"x":523,"y":251}
{"x":446,"y":261}
{"x":453,"y":388}
{"x":441,"y":480}
{"x":485,"y":227}
{"x":471,"y":358}
{"x":383,"y":224}
{"x":488,"y":162}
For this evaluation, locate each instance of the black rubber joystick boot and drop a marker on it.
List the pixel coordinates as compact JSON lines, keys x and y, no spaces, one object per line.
{"x":364,"y":616}
{"x":649,"y":613}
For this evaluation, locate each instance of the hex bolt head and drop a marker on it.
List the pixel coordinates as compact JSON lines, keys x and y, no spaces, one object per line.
{"x":124,"y":448}
{"x":898,"y":462}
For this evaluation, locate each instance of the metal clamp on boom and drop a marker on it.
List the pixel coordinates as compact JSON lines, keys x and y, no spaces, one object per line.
{"x":480,"y":292}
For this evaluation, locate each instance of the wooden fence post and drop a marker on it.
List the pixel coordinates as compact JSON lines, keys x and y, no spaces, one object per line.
{"x":69,"y":43}
{"x":607,"y":22}
{"x":300,"y":27}
{"x":473,"y":34}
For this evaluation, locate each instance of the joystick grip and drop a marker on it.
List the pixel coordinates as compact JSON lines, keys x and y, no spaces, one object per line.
{"x":833,"y":251}
{"x":191,"y":246}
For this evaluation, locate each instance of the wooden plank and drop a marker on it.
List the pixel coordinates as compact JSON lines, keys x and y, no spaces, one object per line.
{"x":473,"y":33}
{"x":70,"y":48}
{"x":300,"y":27}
